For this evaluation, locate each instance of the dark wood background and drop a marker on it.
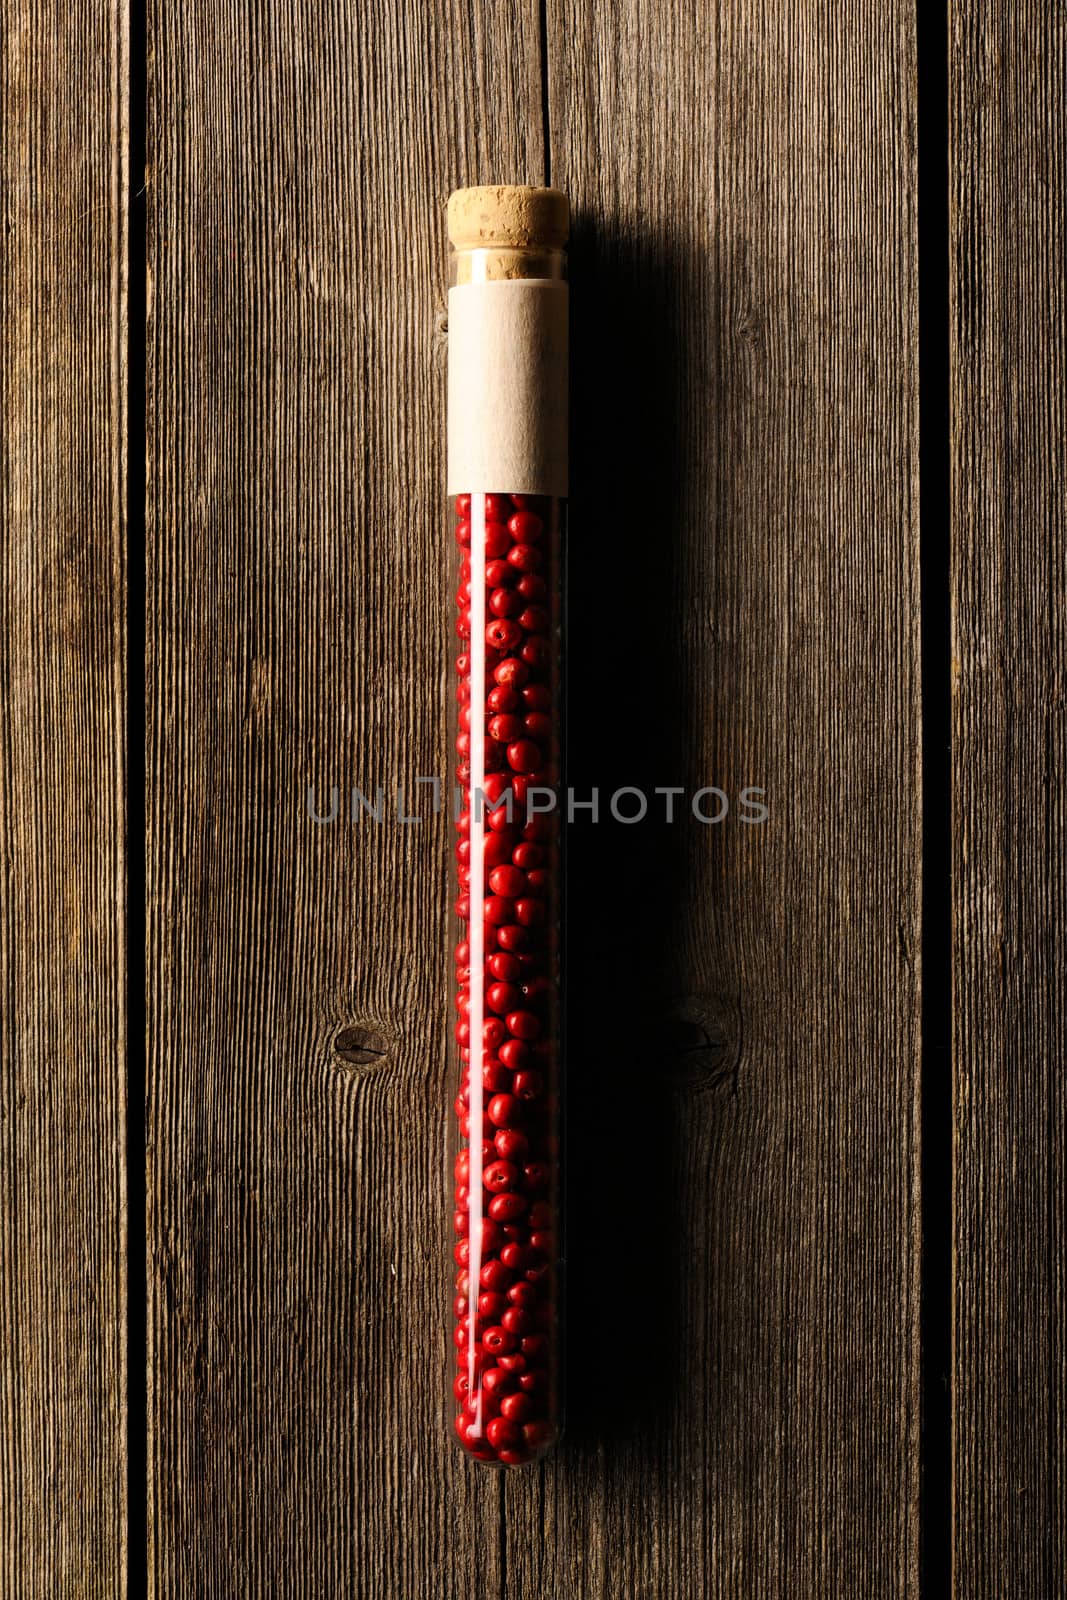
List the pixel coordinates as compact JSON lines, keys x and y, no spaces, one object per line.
{"x":817,"y":1111}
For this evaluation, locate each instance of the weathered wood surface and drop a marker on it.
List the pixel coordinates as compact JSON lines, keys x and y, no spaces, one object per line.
{"x":745,"y":1022}
{"x":1009,"y":640}
{"x":63,"y":158}
{"x":299,"y":1312}
{"x":744,"y":1311}
{"x":744,"y":1339}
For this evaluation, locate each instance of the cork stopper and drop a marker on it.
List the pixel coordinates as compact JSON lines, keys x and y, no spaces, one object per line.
{"x":509,"y":217}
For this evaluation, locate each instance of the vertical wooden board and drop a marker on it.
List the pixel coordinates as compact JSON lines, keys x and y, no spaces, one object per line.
{"x":63,"y":162}
{"x":298,"y":636}
{"x":744,"y":998}
{"x":1009,"y":639}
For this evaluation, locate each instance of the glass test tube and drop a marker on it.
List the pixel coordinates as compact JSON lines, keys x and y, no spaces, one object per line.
{"x":507,"y":466}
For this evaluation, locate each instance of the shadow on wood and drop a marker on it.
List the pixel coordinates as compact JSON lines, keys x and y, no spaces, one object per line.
{"x":640,"y":1045}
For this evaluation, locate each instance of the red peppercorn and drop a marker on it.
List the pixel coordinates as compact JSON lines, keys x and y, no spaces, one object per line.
{"x":497,"y":1381}
{"x":527,"y":1085}
{"x":503,"y":1435}
{"x":535,"y":651}
{"x":506,"y":603}
{"x":505,"y":635}
{"x":511,"y":673}
{"x":494,"y":1032}
{"x":502,"y":700}
{"x":538,"y":725}
{"x":525,"y":527}
{"x":523,"y":1024}
{"x":498,"y":910}
{"x":498,"y":845}
{"x":514,"y":1053}
{"x":501,"y":965}
{"x":502,"y":997}
{"x":495,"y":1275}
{"x":506,"y":728}
{"x":508,"y":881}
{"x":517,"y":1321}
{"x":511,"y":1144}
{"x":504,"y":1110}
{"x":490,"y":1236}
{"x":517,"y":1407}
{"x":498,"y":1341}
{"x":497,"y":539}
{"x":501,"y":1175}
{"x":506,"y":1207}
{"x":494,"y":1077}
{"x":506,"y":1226}
{"x":524,"y":755}
{"x":527,"y":856}
{"x":526,"y":557}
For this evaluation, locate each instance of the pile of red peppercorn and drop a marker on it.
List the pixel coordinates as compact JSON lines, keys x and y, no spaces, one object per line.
{"x":505,"y":1307}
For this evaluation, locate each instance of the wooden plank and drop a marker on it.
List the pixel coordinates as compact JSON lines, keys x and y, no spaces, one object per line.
{"x":298,"y":635}
{"x":63,"y":159}
{"x":745,"y":1000}
{"x":1009,"y":639}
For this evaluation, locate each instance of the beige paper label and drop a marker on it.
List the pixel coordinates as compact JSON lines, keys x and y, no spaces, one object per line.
{"x":507,"y":388}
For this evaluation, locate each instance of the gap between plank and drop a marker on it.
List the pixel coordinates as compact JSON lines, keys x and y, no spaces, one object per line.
{"x":136,"y":961}
{"x":936,"y":1174}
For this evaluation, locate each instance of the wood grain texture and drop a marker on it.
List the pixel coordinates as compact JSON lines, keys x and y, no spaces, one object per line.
{"x":63,"y":161}
{"x":744,"y":1000}
{"x":1009,"y":588}
{"x":743,"y":1111}
{"x":299,"y":1313}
